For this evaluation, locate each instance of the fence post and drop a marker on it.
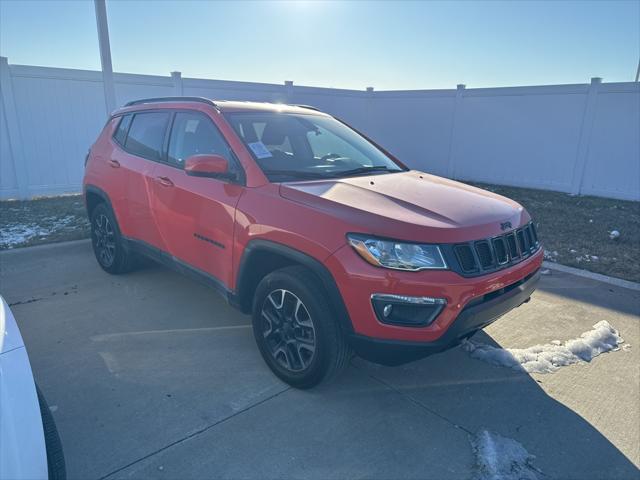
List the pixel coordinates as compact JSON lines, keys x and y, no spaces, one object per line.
{"x":370,"y":116}
{"x":105,"y":56}
{"x":451,"y":167}
{"x":178,"y":88}
{"x":288,"y":91}
{"x":586,"y":128}
{"x":13,"y":129}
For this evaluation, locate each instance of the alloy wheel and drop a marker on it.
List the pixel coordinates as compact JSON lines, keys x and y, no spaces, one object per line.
{"x":104,"y":240}
{"x":288,"y":330}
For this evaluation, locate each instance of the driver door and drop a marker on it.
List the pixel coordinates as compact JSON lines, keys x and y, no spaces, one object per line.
{"x":196,"y":215}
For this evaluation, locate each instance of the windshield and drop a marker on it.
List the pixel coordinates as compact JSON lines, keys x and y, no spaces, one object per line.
{"x":298,"y":146}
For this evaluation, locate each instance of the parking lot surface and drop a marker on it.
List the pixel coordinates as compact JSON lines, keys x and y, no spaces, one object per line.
{"x":152,"y":375}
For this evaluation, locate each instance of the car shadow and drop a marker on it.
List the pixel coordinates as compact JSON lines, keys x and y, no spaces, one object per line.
{"x":476,"y":396}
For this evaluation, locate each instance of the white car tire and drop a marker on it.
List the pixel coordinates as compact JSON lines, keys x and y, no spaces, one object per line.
{"x":55,"y":457}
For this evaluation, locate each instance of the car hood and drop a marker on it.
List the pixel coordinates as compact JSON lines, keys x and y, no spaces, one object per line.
{"x":410,"y":205}
{"x":10,"y":338}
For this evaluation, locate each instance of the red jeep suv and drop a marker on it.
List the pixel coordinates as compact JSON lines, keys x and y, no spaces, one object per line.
{"x":331,"y":243}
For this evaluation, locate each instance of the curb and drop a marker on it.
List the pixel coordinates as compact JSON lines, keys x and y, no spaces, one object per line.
{"x":618,"y":282}
{"x":44,"y":246}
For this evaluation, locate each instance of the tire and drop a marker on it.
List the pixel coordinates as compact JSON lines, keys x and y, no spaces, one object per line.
{"x":55,"y":456}
{"x":301,"y":343}
{"x":108,"y":244}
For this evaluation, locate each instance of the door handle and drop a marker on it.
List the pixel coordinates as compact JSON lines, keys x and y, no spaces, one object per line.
{"x":164,"y":181}
{"x":114,"y":163}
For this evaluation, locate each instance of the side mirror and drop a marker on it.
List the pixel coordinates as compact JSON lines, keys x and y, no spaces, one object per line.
{"x":207,"y":165}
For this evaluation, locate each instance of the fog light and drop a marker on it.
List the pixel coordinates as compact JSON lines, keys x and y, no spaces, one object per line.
{"x":407,"y":311}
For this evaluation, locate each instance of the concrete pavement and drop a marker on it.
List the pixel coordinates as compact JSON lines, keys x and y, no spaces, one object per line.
{"x":151,"y":375}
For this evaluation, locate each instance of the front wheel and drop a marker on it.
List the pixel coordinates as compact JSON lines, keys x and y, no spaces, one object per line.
{"x":295,"y":329}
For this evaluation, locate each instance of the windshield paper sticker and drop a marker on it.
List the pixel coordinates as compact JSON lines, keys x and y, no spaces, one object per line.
{"x":259,"y":150}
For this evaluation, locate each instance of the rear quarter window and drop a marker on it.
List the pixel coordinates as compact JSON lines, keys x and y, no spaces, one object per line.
{"x":123,"y":127}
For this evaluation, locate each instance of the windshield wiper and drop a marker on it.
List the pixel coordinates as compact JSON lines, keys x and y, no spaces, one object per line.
{"x":301,"y":174}
{"x":364,"y":170}
{"x":295,"y":173}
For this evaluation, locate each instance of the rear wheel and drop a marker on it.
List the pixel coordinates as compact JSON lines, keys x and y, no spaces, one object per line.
{"x":108,"y":244}
{"x":295,"y":329}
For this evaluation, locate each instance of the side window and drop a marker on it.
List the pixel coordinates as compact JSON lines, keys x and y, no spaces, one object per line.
{"x":121,"y":132}
{"x":146,"y":134}
{"x":192,"y":134}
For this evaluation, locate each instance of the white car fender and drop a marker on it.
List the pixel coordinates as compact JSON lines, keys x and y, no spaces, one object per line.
{"x":22,"y":447}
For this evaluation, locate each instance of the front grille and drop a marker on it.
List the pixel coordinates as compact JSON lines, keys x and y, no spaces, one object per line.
{"x":521,"y":242}
{"x":534,"y":232}
{"x":484,"y":254}
{"x":499,"y":252}
{"x":465,"y":257}
{"x":513,"y":246}
{"x":500,"y":249}
{"x":528,"y":238}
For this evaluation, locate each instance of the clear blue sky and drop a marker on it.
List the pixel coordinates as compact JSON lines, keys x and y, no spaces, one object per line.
{"x":388,"y":45}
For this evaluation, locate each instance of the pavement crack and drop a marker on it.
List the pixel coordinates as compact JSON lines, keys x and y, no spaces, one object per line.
{"x":71,"y":290}
{"x":24,"y":302}
{"x":415,"y":401}
{"x":194,"y":434}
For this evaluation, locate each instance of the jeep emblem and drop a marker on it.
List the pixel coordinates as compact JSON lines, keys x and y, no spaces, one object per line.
{"x":505,"y":226}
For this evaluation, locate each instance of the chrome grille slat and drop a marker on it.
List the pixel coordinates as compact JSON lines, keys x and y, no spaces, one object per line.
{"x":500,"y":249}
{"x":521,"y":245}
{"x":514,"y":253}
{"x":484,"y":254}
{"x":534,"y":232}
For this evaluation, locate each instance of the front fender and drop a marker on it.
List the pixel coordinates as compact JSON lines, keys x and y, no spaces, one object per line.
{"x":259,"y":250}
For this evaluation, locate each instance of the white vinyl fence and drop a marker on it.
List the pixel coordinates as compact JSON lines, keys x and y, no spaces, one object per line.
{"x":582,"y":139}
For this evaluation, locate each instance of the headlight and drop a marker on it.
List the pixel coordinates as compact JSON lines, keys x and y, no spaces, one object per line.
{"x":397,"y":255}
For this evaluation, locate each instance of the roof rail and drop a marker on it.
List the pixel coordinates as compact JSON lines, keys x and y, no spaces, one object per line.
{"x":171,"y":99}
{"x":308,"y":106}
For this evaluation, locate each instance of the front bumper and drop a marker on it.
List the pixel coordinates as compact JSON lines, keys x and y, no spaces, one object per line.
{"x":357,"y":281}
{"x":475,"y":316}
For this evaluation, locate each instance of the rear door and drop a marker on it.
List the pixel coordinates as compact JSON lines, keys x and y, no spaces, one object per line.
{"x":196,"y":215}
{"x":105,"y":170}
{"x":142,"y":150}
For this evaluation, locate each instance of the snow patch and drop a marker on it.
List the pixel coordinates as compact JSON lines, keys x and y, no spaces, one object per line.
{"x":587,"y":258}
{"x":549,"y":357}
{"x":16,"y":234}
{"x":501,"y":458}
